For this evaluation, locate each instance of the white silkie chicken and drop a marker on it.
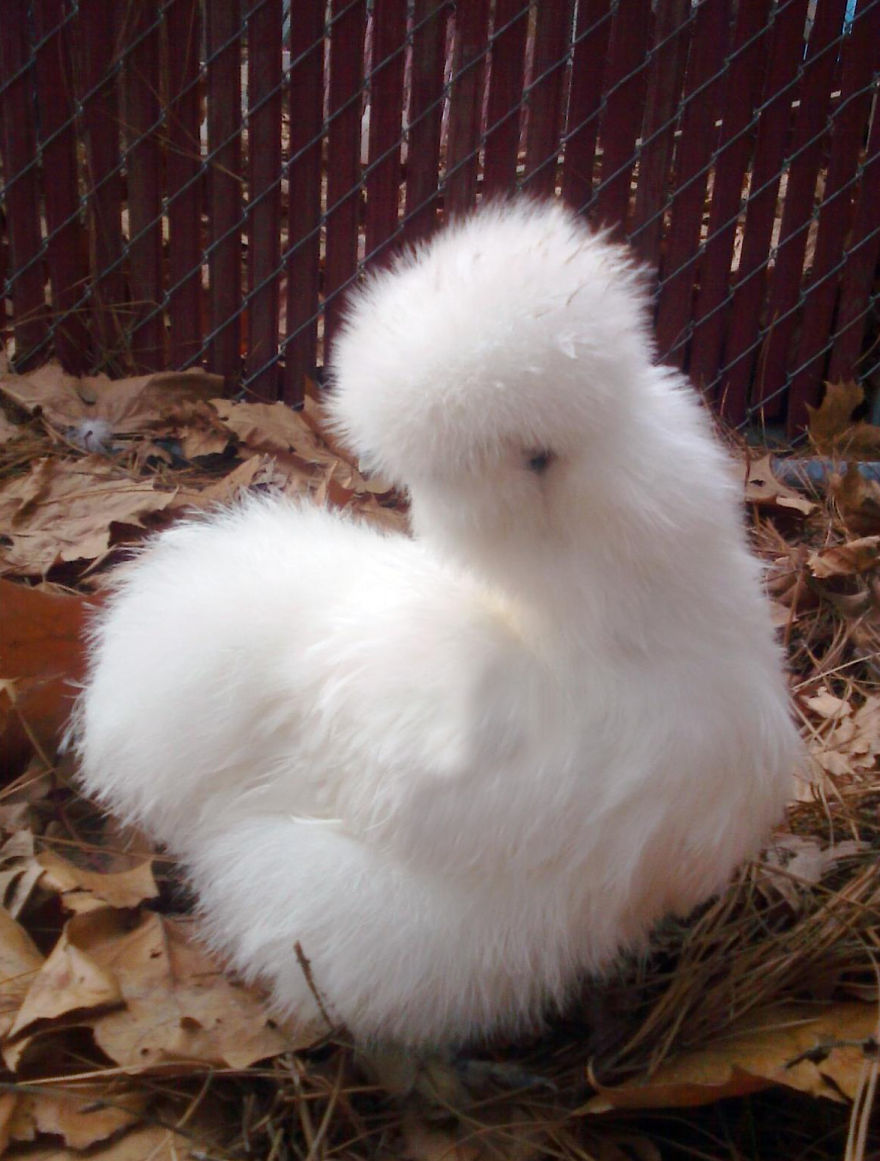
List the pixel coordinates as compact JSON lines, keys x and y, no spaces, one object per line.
{"x":464,"y":769}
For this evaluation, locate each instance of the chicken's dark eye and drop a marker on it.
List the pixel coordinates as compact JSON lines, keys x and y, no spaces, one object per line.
{"x":539,"y":461}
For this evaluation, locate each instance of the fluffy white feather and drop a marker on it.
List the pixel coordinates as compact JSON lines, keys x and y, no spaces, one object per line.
{"x":462,"y":769}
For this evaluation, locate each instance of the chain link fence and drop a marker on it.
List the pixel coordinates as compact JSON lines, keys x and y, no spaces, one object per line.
{"x":200,"y":181}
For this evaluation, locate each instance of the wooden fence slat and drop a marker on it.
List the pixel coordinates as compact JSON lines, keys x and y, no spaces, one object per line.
{"x":544,"y":96}
{"x":425,"y":116}
{"x":624,"y":88}
{"x":589,"y":53}
{"x":863,"y":254}
{"x":183,"y":28}
{"x":97,"y":77}
{"x":466,"y":106}
{"x":344,"y":156}
{"x":302,"y":261}
{"x":807,"y":156}
{"x":264,"y":164}
{"x":386,"y":127}
{"x":672,"y":27}
{"x":22,"y":191}
{"x":702,"y":107}
{"x":67,"y":245}
{"x":506,"y":66}
{"x":847,"y":129}
{"x":742,"y":86}
{"x":224,"y":187}
{"x":144,"y":196}
{"x":749,"y":290}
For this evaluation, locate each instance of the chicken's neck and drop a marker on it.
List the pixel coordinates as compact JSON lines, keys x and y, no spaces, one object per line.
{"x":575,"y":596}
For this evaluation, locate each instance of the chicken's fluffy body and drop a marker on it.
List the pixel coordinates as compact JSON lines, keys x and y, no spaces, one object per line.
{"x":463,"y":769}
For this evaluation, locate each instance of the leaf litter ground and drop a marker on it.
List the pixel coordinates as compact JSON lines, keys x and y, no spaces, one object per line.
{"x":750,"y":1030}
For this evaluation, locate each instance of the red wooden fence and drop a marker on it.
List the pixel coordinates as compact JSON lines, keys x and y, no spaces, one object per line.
{"x":183,"y":181}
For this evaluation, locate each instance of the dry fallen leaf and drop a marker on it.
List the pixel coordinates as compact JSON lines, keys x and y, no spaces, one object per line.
{"x":61,"y":510}
{"x":20,"y":960}
{"x":271,"y":427}
{"x":762,"y":488}
{"x":8,"y":430}
{"x":799,"y":1047}
{"x":170,"y":1002}
{"x":143,"y":1143}
{"x":234,"y":484}
{"x":852,"y":744}
{"x":826,"y":705}
{"x":855,"y":557}
{"x":128,"y":405}
{"x":19,"y":871}
{"x":81,"y":1116}
{"x":195,"y":427}
{"x":118,"y":888}
{"x":803,"y":861}
{"x":857,"y":500}
{"x":179,"y":1006}
{"x":831,"y":426}
{"x":275,"y":429}
{"x":70,"y":980}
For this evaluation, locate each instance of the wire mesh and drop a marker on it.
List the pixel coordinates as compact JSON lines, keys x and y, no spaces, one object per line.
{"x":200,"y":181}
